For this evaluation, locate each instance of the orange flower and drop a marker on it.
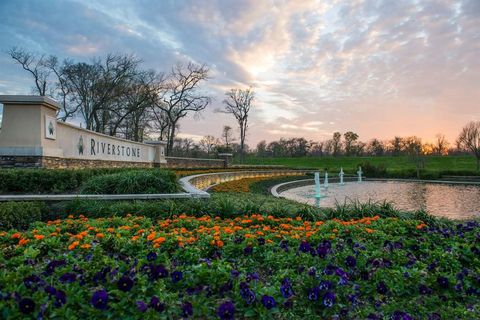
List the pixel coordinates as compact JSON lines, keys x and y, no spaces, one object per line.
{"x":110,"y":229}
{"x":151,"y":236}
{"x":135,"y":238}
{"x":86,"y":246}
{"x":73,"y":245}
{"x":421,"y":226}
{"x":99,"y":235}
{"x":23,"y":242}
{"x":369,"y":230}
{"x":39,"y":236}
{"x":160,"y":240}
{"x":16,"y":235}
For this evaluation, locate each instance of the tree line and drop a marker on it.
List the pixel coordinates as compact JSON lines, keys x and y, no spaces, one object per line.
{"x":115,"y":95}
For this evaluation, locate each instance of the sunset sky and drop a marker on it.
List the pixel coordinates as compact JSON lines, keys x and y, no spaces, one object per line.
{"x":378,"y":68}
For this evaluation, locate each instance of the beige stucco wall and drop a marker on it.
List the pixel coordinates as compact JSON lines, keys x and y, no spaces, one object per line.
{"x":104,"y":147}
{"x":24,"y":134}
{"x":20,"y":124}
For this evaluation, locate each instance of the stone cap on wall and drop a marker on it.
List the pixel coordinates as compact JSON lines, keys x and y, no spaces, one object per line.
{"x":28,"y":100}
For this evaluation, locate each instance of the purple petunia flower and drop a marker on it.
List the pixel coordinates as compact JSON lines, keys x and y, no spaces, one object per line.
{"x":400,"y":315}
{"x":247,"y":293}
{"x":329,"y":270}
{"x":68,"y":277}
{"x":313,"y":294}
{"x":252,"y":276}
{"x":100,"y":299}
{"x":261,"y":241}
{"x":50,"y":290}
{"x":248,"y":250}
{"x":382,"y":288}
{"x":423,"y":289}
{"x":226,"y":311}
{"x":157,"y":272}
{"x":141,"y":306}
{"x":286,"y":288}
{"x":324,"y":248}
{"x":187,"y":309}
{"x":156,"y":305}
{"x":60,"y":298}
{"x":350,"y":261}
{"x":325,"y":285}
{"x":443,"y":282}
{"x":151,"y":256}
{"x":312,"y":271}
{"x":176,"y":276}
{"x":284,"y":245}
{"x":32,"y":281}
{"x":26,"y":305}
{"x":125,"y":284}
{"x":268,"y":302}
{"x":304,"y":247}
{"x":329,"y":299}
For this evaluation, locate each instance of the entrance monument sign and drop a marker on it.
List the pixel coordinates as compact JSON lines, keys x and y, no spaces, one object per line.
{"x":31,"y":136}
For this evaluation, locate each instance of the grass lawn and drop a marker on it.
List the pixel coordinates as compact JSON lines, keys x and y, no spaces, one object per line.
{"x":350,"y":164}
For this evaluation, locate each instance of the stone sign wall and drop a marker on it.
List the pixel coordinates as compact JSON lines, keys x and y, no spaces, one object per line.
{"x":31,"y":136}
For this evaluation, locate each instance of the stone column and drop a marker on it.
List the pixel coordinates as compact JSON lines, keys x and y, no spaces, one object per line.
{"x":226,"y":158}
{"x":28,"y":131}
{"x":159,"y":160}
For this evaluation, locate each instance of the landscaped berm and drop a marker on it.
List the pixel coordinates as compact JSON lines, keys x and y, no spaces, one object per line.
{"x":237,"y":255}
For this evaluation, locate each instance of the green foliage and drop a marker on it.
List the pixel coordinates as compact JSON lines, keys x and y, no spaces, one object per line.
{"x":34,"y":181}
{"x":397,"y":167}
{"x":373,"y":171}
{"x":134,"y":181}
{"x":226,"y":205}
{"x":19,"y":215}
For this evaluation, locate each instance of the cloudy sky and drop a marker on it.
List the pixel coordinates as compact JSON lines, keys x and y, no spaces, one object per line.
{"x":379,"y":68}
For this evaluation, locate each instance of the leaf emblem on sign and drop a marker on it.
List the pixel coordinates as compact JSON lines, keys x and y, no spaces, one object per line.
{"x":80,"y":145}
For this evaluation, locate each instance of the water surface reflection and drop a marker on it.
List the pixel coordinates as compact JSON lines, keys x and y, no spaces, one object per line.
{"x":448,"y":200}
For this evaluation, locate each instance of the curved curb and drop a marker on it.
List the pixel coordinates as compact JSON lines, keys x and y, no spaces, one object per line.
{"x":200,"y":182}
{"x":276,"y":193}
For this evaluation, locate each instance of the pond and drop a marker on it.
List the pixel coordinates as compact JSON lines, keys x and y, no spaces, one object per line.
{"x":456,"y":201}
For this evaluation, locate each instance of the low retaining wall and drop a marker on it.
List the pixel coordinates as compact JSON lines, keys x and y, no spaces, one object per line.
{"x":63,"y":163}
{"x":207,"y":180}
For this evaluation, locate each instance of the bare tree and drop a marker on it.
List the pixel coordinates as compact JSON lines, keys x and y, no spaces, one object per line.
{"x":469,"y":139}
{"x":227,"y":136}
{"x":181,"y":96}
{"x":35,"y":65}
{"x":209,"y":143}
{"x":441,"y":145}
{"x":238,"y":103}
{"x":96,"y":86}
{"x":413,"y":147}
{"x":336,"y":144}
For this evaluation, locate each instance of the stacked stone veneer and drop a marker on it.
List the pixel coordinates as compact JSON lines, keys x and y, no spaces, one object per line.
{"x":63,"y":163}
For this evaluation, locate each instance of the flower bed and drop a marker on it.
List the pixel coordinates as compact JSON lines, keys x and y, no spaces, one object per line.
{"x":242,"y":185}
{"x":252,"y":266}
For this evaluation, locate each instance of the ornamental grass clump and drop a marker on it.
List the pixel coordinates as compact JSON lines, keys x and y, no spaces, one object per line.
{"x":255,"y":266}
{"x":132,"y":182}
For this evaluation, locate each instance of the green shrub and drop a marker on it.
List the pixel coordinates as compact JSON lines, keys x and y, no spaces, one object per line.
{"x":134,"y":181}
{"x":19,"y":215}
{"x":373,"y":171}
{"x":34,"y":181}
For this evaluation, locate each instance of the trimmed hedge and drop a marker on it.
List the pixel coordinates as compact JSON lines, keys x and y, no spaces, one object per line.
{"x":35,"y":181}
{"x":134,"y":181}
{"x":19,"y":215}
